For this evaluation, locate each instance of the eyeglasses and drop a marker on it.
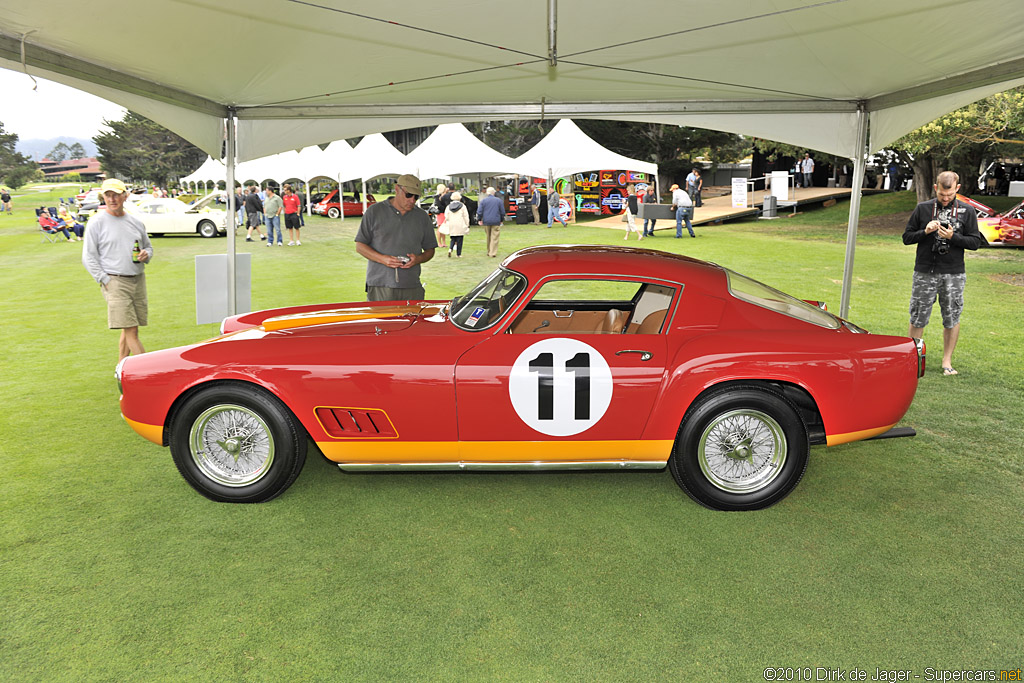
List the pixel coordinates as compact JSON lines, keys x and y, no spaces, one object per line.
{"x":414,"y":197}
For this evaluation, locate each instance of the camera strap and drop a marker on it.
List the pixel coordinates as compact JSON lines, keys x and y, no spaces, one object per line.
{"x":935,"y":210}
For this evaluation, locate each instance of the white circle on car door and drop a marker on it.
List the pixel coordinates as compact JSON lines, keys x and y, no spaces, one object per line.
{"x":560,"y":387}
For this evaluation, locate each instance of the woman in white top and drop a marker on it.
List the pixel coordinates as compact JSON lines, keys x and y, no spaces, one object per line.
{"x":456,"y":220}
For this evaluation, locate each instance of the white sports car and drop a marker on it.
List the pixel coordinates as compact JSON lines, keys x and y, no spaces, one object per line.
{"x":164,"y":216}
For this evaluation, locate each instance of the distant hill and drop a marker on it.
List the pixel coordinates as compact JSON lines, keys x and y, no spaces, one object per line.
{"x":38,"y":148}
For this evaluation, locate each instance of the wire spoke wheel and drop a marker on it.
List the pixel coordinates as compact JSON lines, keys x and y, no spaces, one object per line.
{"x":742,"y":451}
{"x":231,"y":445}
{"x":740,"y":447}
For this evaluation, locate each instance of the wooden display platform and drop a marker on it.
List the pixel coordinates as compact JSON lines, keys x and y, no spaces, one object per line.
{"x":717,"y":209}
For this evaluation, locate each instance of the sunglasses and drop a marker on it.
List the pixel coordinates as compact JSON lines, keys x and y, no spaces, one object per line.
{"x":410,"y":194}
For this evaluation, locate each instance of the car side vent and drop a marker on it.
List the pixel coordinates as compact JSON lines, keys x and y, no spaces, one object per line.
{"x":356,"y":423}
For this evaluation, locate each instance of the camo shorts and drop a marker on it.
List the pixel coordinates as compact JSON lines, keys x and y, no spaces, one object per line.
{"x":948,"y":288}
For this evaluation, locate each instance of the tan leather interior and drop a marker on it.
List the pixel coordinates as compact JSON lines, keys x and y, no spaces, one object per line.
{"x":561,"y":322}
{"x":613,"y":322}
{"x":652,"y":323}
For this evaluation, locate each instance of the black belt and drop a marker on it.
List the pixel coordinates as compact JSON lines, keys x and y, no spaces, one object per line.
{"x":116,"y":275}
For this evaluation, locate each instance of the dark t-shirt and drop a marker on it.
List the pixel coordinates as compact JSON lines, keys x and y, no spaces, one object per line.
{"x":392,"y":233}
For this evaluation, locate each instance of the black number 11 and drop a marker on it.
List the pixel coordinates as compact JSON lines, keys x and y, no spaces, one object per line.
{"x":579,"y":365}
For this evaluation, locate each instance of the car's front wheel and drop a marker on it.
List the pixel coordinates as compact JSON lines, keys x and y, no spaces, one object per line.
{"x":740,"y":448}
{"x":207,"y":229}
{"x":333,"y":212}
{"x":236,"y":443}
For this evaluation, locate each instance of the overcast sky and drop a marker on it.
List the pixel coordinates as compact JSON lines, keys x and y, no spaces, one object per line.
{"x":52,"y":110}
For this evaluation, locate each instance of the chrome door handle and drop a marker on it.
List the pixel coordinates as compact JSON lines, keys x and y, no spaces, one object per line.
{"x":644,"y":355}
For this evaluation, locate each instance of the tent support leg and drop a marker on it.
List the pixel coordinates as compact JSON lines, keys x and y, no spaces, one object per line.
{"x":232,"y":214}
{"x":859,"y":165}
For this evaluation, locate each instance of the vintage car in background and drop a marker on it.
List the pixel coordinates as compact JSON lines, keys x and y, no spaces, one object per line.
{"x":565,"y":357}
{"x":163,"y":216}
{"x":328,"y":205}
{"x":999,"y":229}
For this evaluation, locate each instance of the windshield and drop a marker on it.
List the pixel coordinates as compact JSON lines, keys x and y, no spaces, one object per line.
{"x":762,"y":295}
{"x":488,"y":301}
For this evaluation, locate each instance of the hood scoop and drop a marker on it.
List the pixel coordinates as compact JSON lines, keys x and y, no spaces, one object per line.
{"x":342,"y":315}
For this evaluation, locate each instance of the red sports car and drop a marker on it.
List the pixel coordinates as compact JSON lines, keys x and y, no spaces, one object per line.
{"x":565,"y":357}
{"x":328,"y":206}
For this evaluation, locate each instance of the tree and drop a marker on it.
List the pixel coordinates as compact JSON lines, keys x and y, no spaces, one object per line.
{"x":144,"y":151}
{"x":963,"y":139}
{"x":59,"y":153}
{"x":674,"y":148}
{"x":512,"y":138}
{"x":16,"y":169}
{"x":76,"y":151}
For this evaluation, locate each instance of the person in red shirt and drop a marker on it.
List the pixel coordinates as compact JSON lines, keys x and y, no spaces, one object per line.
{"x":292,"y":205}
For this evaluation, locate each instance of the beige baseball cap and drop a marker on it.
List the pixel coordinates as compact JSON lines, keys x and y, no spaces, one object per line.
{"x":410,"y":183}
{"x":113,"y":185}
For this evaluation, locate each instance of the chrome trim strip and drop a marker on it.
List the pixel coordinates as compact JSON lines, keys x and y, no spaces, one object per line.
{"x":505,"y":466}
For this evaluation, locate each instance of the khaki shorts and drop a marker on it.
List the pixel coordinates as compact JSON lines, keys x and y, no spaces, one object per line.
{"x":127,"y":305}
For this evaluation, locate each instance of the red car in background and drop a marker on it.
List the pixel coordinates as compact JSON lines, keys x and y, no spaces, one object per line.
{"x":564,"y":358}
{"x":999,"y":229}
{"x":328,"y":206}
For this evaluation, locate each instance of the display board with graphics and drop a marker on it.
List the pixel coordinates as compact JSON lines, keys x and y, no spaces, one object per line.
{"x":608,"y":190}
{"x":588,"y":193}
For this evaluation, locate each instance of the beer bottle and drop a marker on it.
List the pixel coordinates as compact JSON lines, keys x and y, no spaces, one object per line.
{"x":135,"y":252}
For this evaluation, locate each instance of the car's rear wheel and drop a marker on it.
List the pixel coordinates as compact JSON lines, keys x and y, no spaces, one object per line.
{"x":740,"y":448}
{"x":236,"y":443}
{"x":333,"y":212}
{"x":207,"y":229}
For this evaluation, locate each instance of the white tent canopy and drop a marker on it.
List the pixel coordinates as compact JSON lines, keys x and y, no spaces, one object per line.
{"x":453,"y":150}
{"x":374,"y":156}
{"x":211,"y":171}
{"x":567,"y":150}
{"x":797,"y":71}
{"x":814,"y":73}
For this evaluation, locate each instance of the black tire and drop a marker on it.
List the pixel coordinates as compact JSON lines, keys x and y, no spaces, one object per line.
{"x":333,"y":212}
{"x":741,"y":448}
{"x":257,"y":432}
{"x":207,"y":229}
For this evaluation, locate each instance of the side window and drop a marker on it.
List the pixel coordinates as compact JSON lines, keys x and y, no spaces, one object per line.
{"x":579,"y":307}
{"x":651,"y":310}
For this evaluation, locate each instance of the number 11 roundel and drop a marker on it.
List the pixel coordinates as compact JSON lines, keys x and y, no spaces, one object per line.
{"x":560,"y":387}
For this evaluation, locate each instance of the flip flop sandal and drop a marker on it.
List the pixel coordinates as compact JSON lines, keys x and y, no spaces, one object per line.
{"x":949,"y":372}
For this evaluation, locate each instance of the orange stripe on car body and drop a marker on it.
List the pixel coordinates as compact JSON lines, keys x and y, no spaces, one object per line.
{"x":496,"y":451}
{"x":836,"y":439}
{"x":154,"y":433}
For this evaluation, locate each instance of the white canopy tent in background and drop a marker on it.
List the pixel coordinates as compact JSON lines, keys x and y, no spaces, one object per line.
{"x":841,"y":76}
{"x":374,"y":156}
{"x":211,"y":171}
{"x":452,"y":150}
{"x":567,"y":150}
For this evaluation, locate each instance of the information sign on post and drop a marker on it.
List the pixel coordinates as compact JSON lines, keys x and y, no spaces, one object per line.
{"x":780,"y":185}
{"x":739,"y":193}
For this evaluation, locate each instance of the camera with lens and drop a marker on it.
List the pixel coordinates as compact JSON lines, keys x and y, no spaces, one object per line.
{"x":941,"y":245}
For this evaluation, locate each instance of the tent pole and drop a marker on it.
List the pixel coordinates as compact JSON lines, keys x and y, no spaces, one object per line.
{"x":364,"y":195}
{"x":341,"y":200}
{"x":855,"y":193}
{"x":230,"y":190}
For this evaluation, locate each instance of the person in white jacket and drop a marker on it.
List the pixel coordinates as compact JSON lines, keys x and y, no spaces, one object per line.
{"x":456,"y":219}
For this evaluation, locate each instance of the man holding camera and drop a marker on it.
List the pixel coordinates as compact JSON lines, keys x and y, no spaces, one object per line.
{"x":395,"y":237}
{"x":942,"y":228}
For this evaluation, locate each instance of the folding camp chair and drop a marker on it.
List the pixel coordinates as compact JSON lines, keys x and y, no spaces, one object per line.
{"x":50,"y":230}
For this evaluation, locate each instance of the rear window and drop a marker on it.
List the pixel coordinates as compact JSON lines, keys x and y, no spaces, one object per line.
{"x":762,"y":295}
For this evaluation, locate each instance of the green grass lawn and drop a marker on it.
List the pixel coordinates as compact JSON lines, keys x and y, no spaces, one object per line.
{"x":892,"y":554}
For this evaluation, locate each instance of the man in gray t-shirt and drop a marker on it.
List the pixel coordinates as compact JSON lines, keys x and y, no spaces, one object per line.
{"x":395,"y":237}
